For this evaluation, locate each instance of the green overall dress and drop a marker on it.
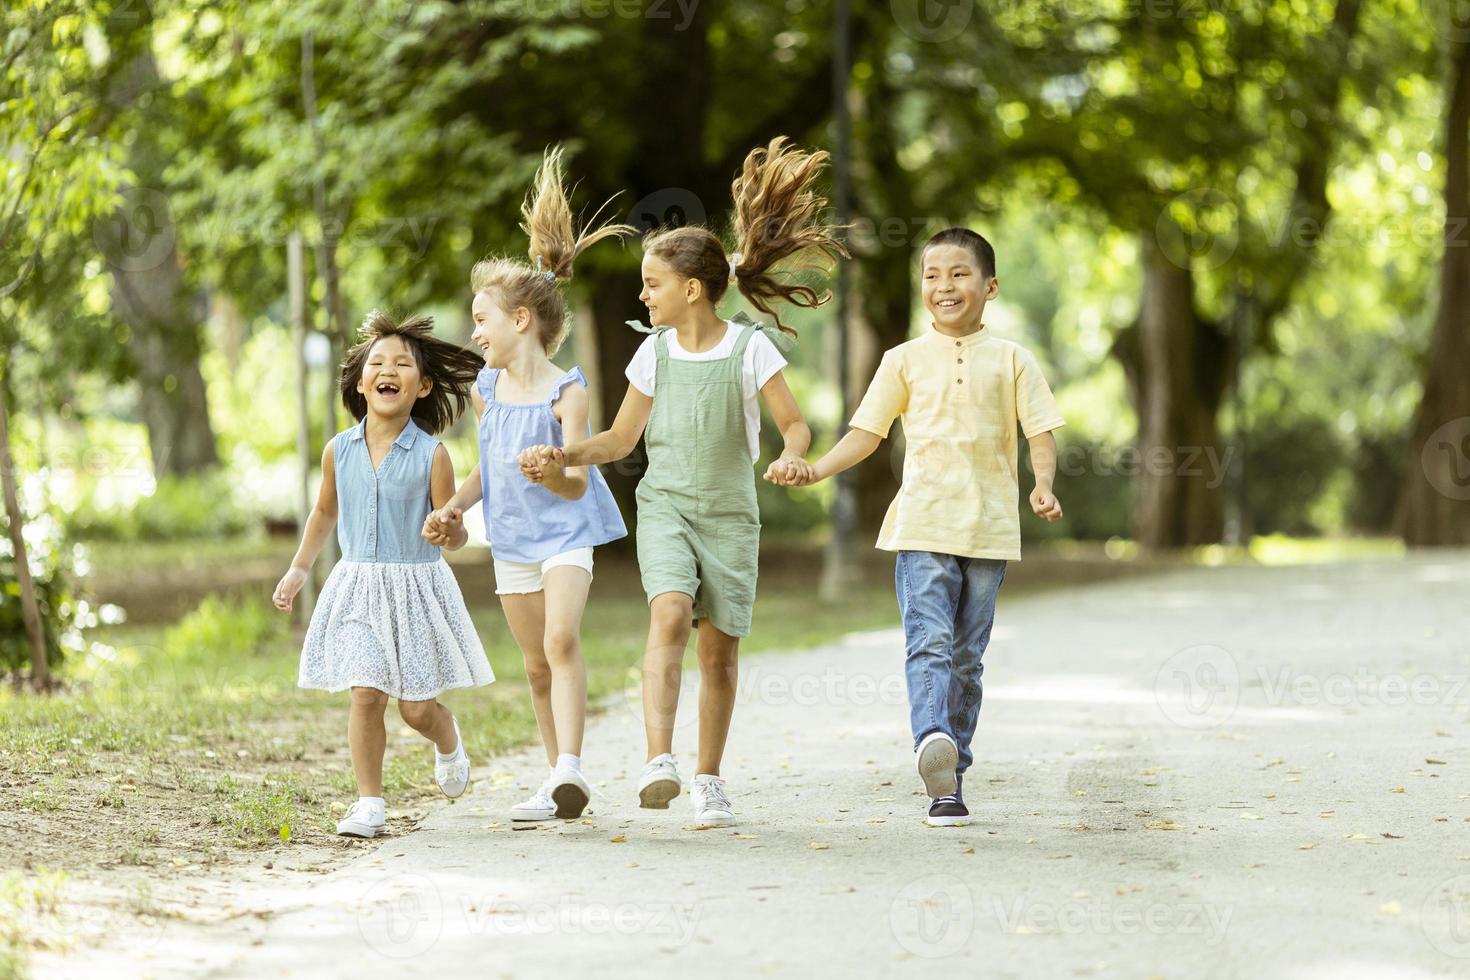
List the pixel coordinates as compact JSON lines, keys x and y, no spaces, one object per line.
{"x":698,"y":525}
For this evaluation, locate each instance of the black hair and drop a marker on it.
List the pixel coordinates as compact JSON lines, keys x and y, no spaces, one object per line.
{"x":450,"y":367}
{"x":965,"y":238}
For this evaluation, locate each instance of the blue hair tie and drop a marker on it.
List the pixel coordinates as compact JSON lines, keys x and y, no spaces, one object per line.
{"x":550,"y":276}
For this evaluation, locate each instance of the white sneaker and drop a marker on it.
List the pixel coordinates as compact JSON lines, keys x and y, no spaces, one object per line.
{"x":539,"y":807}
{"x":362,"y":820}
{"x":936,"y":759}
{"x":711,"y":805}
{"x":570,"y":793}
{"x":659,"y":784}
{"x":453,"y":776}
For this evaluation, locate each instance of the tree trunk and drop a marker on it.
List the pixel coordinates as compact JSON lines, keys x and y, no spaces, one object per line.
{"x":149,"y":292}
{"x":30,"y":608}
{"x":1178,"y":379}
{"x":1434,"y":503}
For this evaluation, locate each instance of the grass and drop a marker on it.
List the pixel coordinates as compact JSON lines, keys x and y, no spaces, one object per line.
{"x":192,"y":739}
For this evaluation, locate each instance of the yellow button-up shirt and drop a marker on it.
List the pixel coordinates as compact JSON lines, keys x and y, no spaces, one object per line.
{"x":961,"y":399}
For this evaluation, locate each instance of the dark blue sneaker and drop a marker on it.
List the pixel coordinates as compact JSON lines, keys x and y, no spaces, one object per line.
{"x":950,"y":810}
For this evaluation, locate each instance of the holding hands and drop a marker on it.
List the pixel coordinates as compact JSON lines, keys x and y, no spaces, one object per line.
{"x":790,"y":470}
{"x":540,"y":463}
{"x":445,"y":528}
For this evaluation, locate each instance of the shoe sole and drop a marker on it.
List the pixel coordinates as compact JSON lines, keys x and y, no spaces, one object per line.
{"x":570,"y":800}
{"x":363,"y":831}
{"x":535,"y":817}
{"x":947,"y":821}
{"x":714,"y":822}
{"x":657,"y":794}
{"x":454,"y":796}
{"x":937,"y":761}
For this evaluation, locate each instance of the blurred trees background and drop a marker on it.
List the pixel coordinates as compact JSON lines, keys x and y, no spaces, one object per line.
{"x":1234,"y":232}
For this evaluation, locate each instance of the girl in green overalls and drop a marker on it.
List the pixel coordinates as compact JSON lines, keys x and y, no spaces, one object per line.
{"x":695,"y":385}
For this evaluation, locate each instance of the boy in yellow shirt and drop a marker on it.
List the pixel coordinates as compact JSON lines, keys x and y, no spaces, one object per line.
{"x":955,"y":522}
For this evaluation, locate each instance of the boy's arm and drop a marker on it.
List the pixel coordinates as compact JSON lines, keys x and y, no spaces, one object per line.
{"x":850,"y":450}
{"x":1043,"y":449}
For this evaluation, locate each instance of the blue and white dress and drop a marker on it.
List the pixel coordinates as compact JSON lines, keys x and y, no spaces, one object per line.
{"x":390,"y":616}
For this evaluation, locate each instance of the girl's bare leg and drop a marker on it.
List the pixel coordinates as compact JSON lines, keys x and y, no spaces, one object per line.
{"x":719,"y":670}
{"x":526,"y":615}
{"x":566,"y":590}
{"x":670,"y":616}
{"x":367,"y":738}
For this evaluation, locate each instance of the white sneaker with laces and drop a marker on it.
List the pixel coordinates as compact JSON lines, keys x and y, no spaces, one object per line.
{"x":453,"y":774}
{"x":711,"y":806}
{"x":539,"y":807}
{"x":362,"y":820}
{"x":659,"y":784}
{"x":570,"y":792}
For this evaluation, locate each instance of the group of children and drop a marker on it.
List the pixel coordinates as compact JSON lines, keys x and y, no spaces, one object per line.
{"x":391,"y":622}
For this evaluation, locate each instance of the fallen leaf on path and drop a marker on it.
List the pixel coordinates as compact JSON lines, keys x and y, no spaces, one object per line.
{"x":1162,"y":825}
{"x":745,"y":836}
{"x":1434,"y":762}
{"x":1251,"y":816}
{"x":968,"y":850}
{"x":1305,"y":847}
{"x":1398,"y":789}
{"x":1391,"y":908}
{"x":620,"y":839}
{"x":1356,"y":837}
{"x":819,"y":847}
{"x":1392,"y":836}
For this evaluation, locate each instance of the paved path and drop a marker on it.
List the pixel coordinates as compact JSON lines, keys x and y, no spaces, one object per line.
{"x":1212,"y":773}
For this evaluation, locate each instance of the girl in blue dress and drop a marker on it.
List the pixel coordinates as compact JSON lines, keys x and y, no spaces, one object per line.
{"x":390,"y":621}
{"x":541,"y":536}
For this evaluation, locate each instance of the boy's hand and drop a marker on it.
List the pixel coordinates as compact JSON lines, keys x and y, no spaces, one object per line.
{"x":1046,"y":505}
{"x":290,"y":584}
{"x":790,"y":471}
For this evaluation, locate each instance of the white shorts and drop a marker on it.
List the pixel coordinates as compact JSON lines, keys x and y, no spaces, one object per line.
{"x":520,"y":578}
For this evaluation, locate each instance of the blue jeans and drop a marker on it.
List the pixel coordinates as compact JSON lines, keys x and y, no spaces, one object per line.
{"x":948,"y":606}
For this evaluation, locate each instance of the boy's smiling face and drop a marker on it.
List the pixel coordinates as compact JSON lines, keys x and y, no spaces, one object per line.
{"x":956,"y":289}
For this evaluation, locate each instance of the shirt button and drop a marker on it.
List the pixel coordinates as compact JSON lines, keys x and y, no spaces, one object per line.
{"x":959,"y":381}
{"x":957,"y":343}
{"x":960,"y":360}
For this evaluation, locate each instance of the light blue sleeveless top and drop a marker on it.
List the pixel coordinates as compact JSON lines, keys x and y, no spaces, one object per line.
{"x":380,"y":513}
{"x":524,"y":521}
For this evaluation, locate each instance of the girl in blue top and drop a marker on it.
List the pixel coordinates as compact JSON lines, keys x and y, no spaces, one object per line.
{"x":541,"y":536}
{"x":390,"y":621}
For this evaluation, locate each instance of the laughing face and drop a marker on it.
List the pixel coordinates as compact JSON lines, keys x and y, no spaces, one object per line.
{"x":956,"y":289}
{"x":391,"y":380}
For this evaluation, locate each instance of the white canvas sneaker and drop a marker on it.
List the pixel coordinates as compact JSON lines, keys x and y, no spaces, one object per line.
{"x":659,"y":784}
{"x":711,"y":806}
{"x":539,"y":807}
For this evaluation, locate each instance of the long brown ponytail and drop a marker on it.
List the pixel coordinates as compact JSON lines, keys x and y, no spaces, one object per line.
{"x":778,"y":216}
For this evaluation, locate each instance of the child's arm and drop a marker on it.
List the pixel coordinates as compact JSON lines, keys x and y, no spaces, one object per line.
{"x":445,"y":525}
{"x":568,"y":482}
{"x":850,"y":450}
{"x":605,"y":447}
{"x":791,"y":468}
{"x":1043,"y":449}
{"x":451,"y":534}
{"x":319,"y":524}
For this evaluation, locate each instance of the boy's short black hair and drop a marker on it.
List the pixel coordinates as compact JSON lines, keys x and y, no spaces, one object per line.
{"x":965,"y":238}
